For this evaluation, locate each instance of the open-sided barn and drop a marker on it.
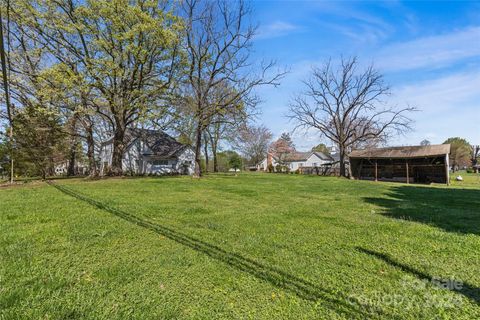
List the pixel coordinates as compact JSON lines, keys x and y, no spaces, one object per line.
{"x":413,"y":164}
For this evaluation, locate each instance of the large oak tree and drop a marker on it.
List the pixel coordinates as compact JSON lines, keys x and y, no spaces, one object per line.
{"x":124,"y":51}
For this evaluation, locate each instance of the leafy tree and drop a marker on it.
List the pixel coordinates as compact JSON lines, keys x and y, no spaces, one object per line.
{"x":39,"y":139}
{"x":4,"y":155}
{"x":322,"y":148}
{"x":425,"y":142}
{"x":235,"y":161}
{"x":460,"y":152}
{"x":125,"y":52}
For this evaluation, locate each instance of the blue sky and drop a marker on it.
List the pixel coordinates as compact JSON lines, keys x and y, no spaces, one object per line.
{"x":429,"y":53}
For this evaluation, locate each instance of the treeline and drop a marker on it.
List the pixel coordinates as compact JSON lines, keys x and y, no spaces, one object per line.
{"x":80,"y":72}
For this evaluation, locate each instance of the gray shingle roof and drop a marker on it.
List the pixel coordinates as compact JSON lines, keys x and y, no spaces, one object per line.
{"x":160,"y":143}
{"x":297,"y":156}
{"x":323,"y":156}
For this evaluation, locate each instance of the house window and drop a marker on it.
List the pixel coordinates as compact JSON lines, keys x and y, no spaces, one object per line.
{"x":314,"y":164}
{"x":160,"y":162}
{"x":300,"y":165}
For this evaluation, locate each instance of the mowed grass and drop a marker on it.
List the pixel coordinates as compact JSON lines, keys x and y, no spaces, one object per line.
{"x":255,"y":246}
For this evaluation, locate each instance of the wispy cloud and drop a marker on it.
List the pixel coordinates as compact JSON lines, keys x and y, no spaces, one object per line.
{"x":444,"y":93}
{"x":431,"y":52}
{"x":447,"y":107}
{"x":276,"y":29}
{"x":356,"y":24}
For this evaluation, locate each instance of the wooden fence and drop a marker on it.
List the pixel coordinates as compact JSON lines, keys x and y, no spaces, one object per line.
{"x":321,"y":171}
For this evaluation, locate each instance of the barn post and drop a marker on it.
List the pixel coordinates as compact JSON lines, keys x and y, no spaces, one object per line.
{"x":447,"y":172}
{"x":408,"y":178}
{"x":376,"y":170}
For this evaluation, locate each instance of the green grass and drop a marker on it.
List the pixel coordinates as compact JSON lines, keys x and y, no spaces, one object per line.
{"x":256,"y":246}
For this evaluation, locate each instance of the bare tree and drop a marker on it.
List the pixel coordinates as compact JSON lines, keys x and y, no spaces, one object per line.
{"x":218,"y":46}
{"x":216,"y":131}
{"x":347,"y":106}
{"x":253,"y":143}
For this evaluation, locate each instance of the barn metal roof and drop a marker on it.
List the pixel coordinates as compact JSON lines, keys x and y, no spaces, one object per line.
{"x":402,"y":152}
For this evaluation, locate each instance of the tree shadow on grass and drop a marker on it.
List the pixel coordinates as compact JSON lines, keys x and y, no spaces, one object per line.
{"x":469,"y":291}
{"x":281,"y":279}
{"x":453,"y":210}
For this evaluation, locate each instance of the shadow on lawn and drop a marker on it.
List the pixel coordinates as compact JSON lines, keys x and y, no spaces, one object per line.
{"x":453,"y":210}
{"x":467,"y":290}
{"x":301,"y":287}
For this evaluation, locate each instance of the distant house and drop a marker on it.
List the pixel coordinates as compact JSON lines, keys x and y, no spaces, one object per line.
{"x":80,"y":168}
{"x":150,"y":152}
{"x":297,"y":160}
{"x":413,"y":164}
{"x":270,"y":159}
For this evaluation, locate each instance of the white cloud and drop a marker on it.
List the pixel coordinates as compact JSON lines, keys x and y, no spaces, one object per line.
{"x":276,"y":29}
{"x":431,"y":52}
{"x":442,"y":94}
{"x":448,"y":107}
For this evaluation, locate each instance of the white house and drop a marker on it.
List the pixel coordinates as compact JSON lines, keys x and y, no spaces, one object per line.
{"x":298,"y":160}
{"x":150,"y":152}
{"x":270,"y":159}
{"x":80,"y":168}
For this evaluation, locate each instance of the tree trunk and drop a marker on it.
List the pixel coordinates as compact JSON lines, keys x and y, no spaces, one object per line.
{"x":205,"y":151}
{"x":198,"y":148}
{"x":215,"y":160}
{"x":92,"y":167}
{"x":72,"y":158}
{"x":213,"y":145}
{"x":118,"y":150}
{"x":73,"y":147}
{"x":342,"y":161}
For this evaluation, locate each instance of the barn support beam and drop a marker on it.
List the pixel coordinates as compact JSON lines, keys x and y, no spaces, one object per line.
{"x":447,"y":171}
{"x":376,"y":170}
{"x":408,"y":176}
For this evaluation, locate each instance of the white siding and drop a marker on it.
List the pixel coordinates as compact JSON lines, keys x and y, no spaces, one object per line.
{"x":294,"y":165}
{"x":314,"y":161}
{"x":137,"y":161}
{"x":264,"y":164}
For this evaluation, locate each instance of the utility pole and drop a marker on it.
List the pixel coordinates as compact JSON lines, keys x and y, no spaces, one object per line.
{"x":7,"y":94}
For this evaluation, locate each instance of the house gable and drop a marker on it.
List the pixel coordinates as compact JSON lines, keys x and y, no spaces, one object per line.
{"x":150,"y":151}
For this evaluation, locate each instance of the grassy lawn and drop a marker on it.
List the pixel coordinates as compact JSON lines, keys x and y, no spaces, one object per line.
{"x":256,"y":246}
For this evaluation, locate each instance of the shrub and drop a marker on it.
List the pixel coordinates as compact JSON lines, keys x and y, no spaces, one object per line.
{"x":270,"y":168}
